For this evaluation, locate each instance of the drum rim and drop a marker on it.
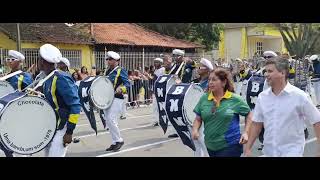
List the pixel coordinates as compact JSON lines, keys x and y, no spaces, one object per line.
{"x":13,"y":90}
{"x":183,"y":108}
{"x":90,"y":94}
{"x":55,"y":130}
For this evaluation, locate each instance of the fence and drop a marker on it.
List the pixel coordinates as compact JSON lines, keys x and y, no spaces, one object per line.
{"x":140,"y":92}
{"x":139,"y":60}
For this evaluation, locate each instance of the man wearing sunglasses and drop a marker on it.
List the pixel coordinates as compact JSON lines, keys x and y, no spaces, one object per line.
{"x":14,"y":61}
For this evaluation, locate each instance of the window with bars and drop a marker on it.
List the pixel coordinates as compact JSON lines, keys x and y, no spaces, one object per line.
{"x":74,"y":56}
{"x":3,"y":55}
{"x":259,"y":48}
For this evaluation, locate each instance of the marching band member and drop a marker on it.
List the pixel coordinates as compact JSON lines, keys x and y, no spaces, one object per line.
{"x":62,"y":94}
{"x":203,"y":70}
{"x":283,"y":134}
{"x":18,"y":82}
{"x":188,"y":65}
{"x":64,"y":64}
{"x":219,"y":110}
{"x":22,"y":80}
{"x":119,"y":77}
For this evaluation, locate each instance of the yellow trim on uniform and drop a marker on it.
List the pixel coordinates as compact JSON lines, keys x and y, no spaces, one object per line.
{"x":20,"y":80}
{"x":116,"y":78}
{"x":227,"y":95}
{"x":73,"y":118}
{"x":123,"y":88}
{"x":53,"y":94}
{"x":244,"y":74}
{"x":292,"y":71}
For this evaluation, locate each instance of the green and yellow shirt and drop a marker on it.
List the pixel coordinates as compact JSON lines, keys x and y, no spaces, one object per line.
{"x":221,"y":126}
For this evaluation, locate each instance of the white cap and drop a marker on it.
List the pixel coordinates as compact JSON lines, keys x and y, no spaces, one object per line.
{"x":270,"y":53}
{"x":65,"y":61}
{"x":50,"y":53}
{"x":314,"y":57}
{"x":113,"y":55}
{"x":238,"y":59}
{"x":158,"y":59}
{"x":17,"y":55}
{"x":178,"y":52}
{"x":206,"y":63}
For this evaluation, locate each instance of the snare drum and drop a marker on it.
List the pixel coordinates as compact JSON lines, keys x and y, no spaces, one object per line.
{"x":27,"y":123}
{"x":181,"y":100}
{"x":98,"y":89}
{"x":5,"y":88}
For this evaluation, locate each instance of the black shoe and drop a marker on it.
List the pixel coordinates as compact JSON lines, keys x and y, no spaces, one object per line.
{"x":155,"y":124}
{"x":111,"y":148}
{"x":261,"y":147}
{"x":173,"y":136}
{"x":76,"y":140}
{"x":118,"y":146}
{"x":123,"y":117}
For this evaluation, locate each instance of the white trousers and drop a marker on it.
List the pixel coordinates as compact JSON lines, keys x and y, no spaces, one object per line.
{"x":201,"y":149}
{"x":316,"y":86}
{"x":111,"y":116}
{"x":124,"y":106}
{"x":56,"y":148}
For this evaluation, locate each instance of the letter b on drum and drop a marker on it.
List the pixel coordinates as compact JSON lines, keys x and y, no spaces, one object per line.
{"x":178,"y":90}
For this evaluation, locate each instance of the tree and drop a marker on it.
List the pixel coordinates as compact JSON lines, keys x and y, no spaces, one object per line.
{"x":299,"y":39}
{"x":207,"y":34}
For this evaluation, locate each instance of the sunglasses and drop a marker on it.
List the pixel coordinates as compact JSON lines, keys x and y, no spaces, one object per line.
{"x":10,"y":59}
{"x":267,"y":57}
{"x":202,"y":68}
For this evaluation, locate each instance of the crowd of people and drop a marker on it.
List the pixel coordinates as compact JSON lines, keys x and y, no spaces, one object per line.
{"x":262,"y":90}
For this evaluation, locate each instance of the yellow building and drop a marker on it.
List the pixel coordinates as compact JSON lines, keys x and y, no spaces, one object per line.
{"x":77,"y":47}
{"x":243,"y":40}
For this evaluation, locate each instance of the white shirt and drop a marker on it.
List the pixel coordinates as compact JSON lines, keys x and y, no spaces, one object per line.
{"x":284,"y":118}
{"x":159,"y":72}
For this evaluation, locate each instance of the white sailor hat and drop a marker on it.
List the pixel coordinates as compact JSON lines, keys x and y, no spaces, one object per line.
{"x":269,"y":54}
{"x":50,"y":53}
{"x":238,"y":59}
{"x":314,"y":57}
{"x":113,"y":55}
{"x":65,"y":61}
{"x":178,"y":52}
{"x":158,"y":59}
{"x":15,"y":55}
{"x":206,"y":63}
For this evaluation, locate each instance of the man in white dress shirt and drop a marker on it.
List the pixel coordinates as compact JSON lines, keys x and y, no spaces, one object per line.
{"x":283,"y":110}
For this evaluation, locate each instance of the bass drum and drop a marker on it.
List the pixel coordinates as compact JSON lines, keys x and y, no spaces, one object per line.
{"x":27,"y":123}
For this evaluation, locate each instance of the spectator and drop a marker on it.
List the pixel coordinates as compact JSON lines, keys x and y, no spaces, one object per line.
{"x":83,"y":73}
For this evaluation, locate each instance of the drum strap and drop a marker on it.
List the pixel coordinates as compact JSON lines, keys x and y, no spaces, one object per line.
{"x":54,"y":97}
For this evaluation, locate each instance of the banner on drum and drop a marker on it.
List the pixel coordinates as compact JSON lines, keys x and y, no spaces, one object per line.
{"x":176,"y":114}
{"x":85,"y":102}
{"x":160,"y":93}
{"x":254,"y":88}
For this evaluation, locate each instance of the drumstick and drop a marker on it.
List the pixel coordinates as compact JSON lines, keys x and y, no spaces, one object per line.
{"x":180,"y":67}
{"x":44,"y":80}
{"x":10,"y":75}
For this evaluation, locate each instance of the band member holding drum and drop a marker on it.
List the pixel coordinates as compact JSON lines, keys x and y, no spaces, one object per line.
{"x":284,"y":134}
{"x":203,"y":70}
{"x":219,"y":110}
{"x":119,"y":77}
{"x":22,"y":80}
{"x":64,"y":64}
{"x":18,"y":82}
{"x":62,"y":94}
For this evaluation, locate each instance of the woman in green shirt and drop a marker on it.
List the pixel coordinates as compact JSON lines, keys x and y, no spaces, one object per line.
{"x":219,"y":110}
